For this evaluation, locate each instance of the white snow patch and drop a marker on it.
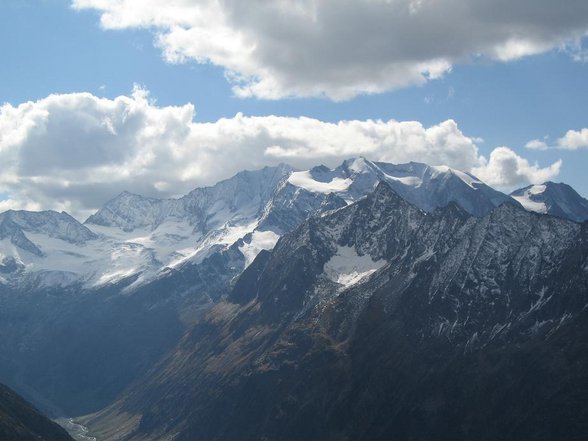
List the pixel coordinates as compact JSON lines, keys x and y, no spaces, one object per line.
{"x":465,"y":177}
{"x":537,"y":207}
{"x":537,"y":189}
{"x":115,"y":276}
{"x":358,"y":166}
{"x":260,"y":240}
{"x":441,"y":168}
{"x":304,"y":180}
{"x":410,"y":181}
{"x":225,"y":236}
{"x":231,"y":233}
{"x":529,"y":204}
{"x":49,"y":279}
{"x":347,"y":267}
{"x":468,"y":179}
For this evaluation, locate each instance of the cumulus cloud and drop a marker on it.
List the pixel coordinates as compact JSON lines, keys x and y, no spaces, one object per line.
{"x":507,"y":169}
{"x":536,"y":144}
{"x":574,"y":140}
{"x":73,"y":152}
{"x":341,"y":48}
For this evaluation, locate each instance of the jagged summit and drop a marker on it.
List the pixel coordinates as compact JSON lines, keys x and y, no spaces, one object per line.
{"x":144,"y":237}
{"x":556,"y":199}
{"x":379,"y":300}
{"x":205,"y":208}
{"x":247,"y":193}
{"x":127,"y":210}
{"x":326,"y":294}
{"x":385,"y":194}
{"x":52,"y":223}
{"x":427,"y":187}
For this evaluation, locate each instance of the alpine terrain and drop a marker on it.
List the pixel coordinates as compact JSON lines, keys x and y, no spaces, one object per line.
{"x":555,"y":199}
{"x":382,"y":321}
{"x":366,"y":301}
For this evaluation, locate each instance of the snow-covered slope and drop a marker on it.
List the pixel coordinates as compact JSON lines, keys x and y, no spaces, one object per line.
{"x":43,"y":246}
{"x":427,"y":187}
{"x":143,"y":238}
{"x":137,"y":236}
{"x":347,"y":268}
{"x":556,"y":199}
{"x":14,"y":225}
{"x":228,"y":202}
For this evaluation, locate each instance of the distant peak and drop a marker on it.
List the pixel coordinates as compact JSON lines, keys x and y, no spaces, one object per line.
{"x":320,"y":168}
{"x":442,"y":168}
{"x":123,"y":195}
{"x":563,"y":185}
{"x":358,"y":164}
{"x":554,"y":198}
{"x":283,"y":166}
{"x":384,"y":190}
{"x":126,"y":194}
{"x":36,"y":214}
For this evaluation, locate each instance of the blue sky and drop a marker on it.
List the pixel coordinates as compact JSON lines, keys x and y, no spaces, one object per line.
{"x":48,"y":47}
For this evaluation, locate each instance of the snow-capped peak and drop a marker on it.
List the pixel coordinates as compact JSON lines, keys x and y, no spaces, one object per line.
{"x":427,"y":187}
{"x":358,"y":165}
{"x":527,"y":197}
{"x":127,"y":211}
{"x":556,"y":199}
{"x":142,"y":237}
{"x":50,"y":223}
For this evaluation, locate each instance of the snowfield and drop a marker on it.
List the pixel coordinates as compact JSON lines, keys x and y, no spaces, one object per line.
{"x":347,"y":267}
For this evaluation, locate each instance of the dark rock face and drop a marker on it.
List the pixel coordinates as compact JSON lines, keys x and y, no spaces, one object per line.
{"x":20,"y":421}
{"x":464,"y":328}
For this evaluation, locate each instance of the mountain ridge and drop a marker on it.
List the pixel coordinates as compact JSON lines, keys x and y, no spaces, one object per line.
{"x":383,"y":357}
{"x":556,"y":199}
{"x":141,"y":237}
{"x":129,"y":296}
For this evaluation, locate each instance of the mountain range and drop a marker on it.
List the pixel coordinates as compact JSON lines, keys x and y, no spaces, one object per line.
{"x":143,"y":238}
{"x":382,"y":321}
{"x":352,"y":303}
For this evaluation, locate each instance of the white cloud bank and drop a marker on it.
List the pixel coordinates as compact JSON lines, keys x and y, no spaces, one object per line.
{"x":507,"y":169}
{"x":341,"y":48}
{"x":572,"y":140}
{"x":75,"y":151}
